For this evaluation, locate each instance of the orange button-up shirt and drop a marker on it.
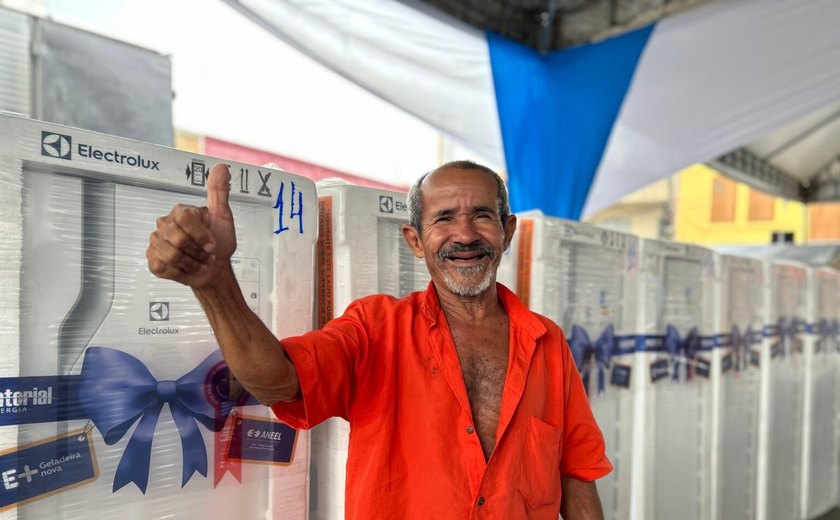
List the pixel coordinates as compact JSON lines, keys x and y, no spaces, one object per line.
{"x":389,"y":366}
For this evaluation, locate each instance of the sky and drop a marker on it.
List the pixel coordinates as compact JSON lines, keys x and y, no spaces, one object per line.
{"x":234,"y":81}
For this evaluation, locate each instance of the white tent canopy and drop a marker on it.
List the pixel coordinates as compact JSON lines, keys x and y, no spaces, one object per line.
{"x":728,"y":82}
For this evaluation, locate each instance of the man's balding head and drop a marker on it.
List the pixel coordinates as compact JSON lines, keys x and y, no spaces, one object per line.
{"x":415,"y":194}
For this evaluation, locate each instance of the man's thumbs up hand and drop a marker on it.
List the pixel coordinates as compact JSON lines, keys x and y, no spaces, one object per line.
{"x":218,"y":192}
{"x":193,"y":245}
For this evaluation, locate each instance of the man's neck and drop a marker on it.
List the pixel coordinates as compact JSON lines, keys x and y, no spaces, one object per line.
{"x":472,"y":310}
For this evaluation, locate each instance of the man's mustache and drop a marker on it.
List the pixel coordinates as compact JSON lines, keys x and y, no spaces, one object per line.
{"x":475,"y":247}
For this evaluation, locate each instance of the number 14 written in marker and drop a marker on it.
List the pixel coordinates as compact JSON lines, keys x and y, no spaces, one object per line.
{"x":295,"y":207}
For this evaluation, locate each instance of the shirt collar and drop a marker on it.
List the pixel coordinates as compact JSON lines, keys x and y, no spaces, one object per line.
{"x":520,"y":316}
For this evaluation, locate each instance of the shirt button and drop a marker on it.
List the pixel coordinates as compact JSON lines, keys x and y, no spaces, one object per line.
{"x":481,"y":501}
{"x":470,"y":430}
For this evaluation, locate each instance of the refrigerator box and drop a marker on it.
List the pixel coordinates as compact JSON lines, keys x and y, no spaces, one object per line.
{"x":361,"y":251}
{"x":779,"y":487}
{"x":585,"y":279}
{"x":820,"y":448}
{"x":116,"y":400}
{"x":676,"y":323}
{"x":739,"y":351}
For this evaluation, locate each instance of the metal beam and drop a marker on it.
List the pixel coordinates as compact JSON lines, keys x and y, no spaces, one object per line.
{"x":825,"y":185}
{"x":747,"y":167}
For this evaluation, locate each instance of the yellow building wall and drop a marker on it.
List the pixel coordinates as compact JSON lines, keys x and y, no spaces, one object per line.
{"x":693,"y":213}
{"x":640,"y":213}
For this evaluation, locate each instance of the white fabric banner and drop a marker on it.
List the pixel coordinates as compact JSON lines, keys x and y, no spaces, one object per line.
{"x":432,"y":66}
{"x":715,"y":78}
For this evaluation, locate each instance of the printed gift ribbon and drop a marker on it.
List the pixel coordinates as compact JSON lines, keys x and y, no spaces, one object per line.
{"x":116,"y":390}
{"x":742,"y":346}
{"x":584,"y":350}
{"x":682,"y":348}
{"x":787,"y":335}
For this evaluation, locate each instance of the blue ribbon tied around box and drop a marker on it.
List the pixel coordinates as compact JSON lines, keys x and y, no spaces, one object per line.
{"x":742,"y":346}
{"x":682,"y":349}
{"x":585,"y":351}
{"x":787,"y":335}
{"x":116,"y":390}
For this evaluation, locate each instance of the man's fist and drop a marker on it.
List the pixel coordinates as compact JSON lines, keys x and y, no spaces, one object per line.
{"x":193,"y":245}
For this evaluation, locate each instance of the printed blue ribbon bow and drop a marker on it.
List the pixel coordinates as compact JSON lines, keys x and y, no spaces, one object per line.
{"x":742,"y":346}
{"x":788,"y":334}
{"x":584,"y":350}
{"x":117,"y":389}
{"x":824,"y":332}
{"x":738,"y":346}
{"x":751,"y":337}
{"x":680,"y":348}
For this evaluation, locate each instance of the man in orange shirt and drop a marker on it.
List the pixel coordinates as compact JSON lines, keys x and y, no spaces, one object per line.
{"x":462,"y":403}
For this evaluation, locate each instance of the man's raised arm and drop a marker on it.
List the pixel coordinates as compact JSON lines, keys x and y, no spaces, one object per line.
{"x":193,"y":246}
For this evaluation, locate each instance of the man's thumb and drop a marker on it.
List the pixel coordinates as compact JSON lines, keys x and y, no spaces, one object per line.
{"x":218,"y":190}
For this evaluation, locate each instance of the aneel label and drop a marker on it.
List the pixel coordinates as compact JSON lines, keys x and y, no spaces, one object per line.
{"x":260,"y":440}
{"x":41,"y":469}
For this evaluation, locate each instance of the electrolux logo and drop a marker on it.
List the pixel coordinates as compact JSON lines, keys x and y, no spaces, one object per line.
{"x":158,"y":311}
{"x":56,"y":145}
{"x":90,"y":152}
{"x":60,"y":146}
{"x":386,"y":204}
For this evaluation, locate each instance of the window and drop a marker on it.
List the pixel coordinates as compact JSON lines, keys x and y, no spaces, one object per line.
{"x":761,"y":206}
{"x":723,"y":200}
{"x":824,"y":221}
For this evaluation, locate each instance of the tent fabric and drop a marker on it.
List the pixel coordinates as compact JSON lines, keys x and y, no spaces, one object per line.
{"x":556,"y":113}
{"x":715,"y":78}
{"x":708,"y":80}
{"x":437,"y":69}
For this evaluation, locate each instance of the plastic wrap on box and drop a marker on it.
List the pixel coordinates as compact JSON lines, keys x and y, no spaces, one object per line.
{"x":361,"y":252}
{"x":736,"y":377}
{"x":676,"y":298}
{"x":116,"y":401}
{"x":821,"y":452}
{"x":782,"y":373}
{"x":584,"y":278}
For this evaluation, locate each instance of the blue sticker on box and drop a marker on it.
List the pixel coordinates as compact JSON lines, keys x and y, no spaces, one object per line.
{"x":659,"y":370}
{"x":726,"y":363}
{"x":702,"y":367}
{"x":260,"y":440}
{"x":620,"y":375}
{"x":41,"y":469}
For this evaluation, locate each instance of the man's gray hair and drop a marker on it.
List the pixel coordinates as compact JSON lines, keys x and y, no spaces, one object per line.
{"x":415,"y":195}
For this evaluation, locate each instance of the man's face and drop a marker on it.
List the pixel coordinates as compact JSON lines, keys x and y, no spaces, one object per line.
{"x":462,"y":235}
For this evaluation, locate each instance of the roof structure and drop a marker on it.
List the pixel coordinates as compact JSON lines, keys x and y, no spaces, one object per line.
{"x":800,"y":161}
{"x":548,"y":25}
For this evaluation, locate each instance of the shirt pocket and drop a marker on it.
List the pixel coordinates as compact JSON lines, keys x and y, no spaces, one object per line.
{"x":539,"y":482}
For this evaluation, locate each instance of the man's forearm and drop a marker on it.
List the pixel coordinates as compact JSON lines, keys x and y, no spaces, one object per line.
{"x":580,"y":500}
{"x":251,"y":351}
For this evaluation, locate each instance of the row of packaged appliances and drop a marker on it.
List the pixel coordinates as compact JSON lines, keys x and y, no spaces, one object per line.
{"x":714,"y":377}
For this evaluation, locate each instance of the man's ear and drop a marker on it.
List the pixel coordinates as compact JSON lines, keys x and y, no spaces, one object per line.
{"x":510,"y":229}
{"x":412,"y":238}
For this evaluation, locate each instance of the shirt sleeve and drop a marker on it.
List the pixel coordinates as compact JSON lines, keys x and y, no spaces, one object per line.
{"x":584,"y":451}
{"x":328,"y":363}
